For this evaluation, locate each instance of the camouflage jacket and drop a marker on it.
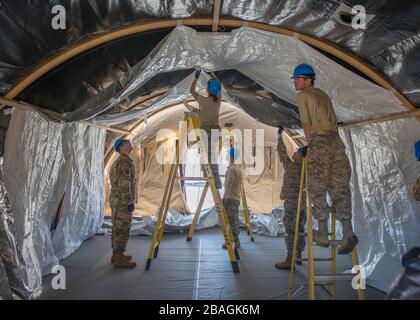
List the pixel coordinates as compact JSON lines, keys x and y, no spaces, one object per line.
{"x":122,"y":177}
{"x":416,"y":190}
{"x":292,"y":172}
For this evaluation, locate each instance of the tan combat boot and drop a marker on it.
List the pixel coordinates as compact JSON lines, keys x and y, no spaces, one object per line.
{"x":349,"y":238}
{"x":121,"y":262}
{"x":287,"y":263}
{"x":127,"y":257}
{"x":321,"y":236}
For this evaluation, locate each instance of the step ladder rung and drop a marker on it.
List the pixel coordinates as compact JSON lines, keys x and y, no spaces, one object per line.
{"x":306,"y":234}
{"x":323,"y":278}
{"x":315,"y":259}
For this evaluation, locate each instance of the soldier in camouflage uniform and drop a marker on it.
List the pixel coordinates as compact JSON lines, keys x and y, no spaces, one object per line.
{"x":122,"y":199}
{"x":208,"y":113}
{"x":232,"y":195}
{"x":328,"y":168}
{"x":290,"y":195}
{"x":416,"y":188}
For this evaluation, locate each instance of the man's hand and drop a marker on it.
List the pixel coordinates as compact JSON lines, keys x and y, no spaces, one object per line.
{"x":197,"y":74}
{"x":303,"y":150}
{"x":297,"y":157}
{"x":130,"y":207}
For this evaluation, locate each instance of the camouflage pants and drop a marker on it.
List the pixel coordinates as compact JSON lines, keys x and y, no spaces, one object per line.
{"x":121,"y":224}
{"x":416,"y":190}
{"x":329,"y":171}
{"x":231,"y":207}
{"x":213,"y":164}
{"x":289,"y":222}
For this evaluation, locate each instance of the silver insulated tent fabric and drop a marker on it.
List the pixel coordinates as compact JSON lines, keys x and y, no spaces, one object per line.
{"x":13,"y":279}
{"x":46,"y":163}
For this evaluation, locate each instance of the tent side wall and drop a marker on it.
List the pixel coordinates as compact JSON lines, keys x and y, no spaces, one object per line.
{"x":44,"y":162}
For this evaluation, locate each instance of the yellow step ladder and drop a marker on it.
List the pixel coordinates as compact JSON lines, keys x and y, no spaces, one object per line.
{"x":191,"y":117}
{"x":319,"y":279}
{"x":248,"y":226}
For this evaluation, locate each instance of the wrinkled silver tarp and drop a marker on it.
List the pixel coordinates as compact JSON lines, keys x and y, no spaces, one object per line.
{"x":282,"y":115}
{"x":384,"y":168}
{"x":390,"y":41}
{"x":13,"y":281}
{"x":387,"y":219}
{"x":46,"y":162}
{"x":265,"y":57}
{"x":270,"y":225}
{"x":176,"y":94}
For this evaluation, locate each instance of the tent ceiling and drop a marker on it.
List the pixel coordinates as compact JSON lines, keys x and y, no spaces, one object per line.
{"x":390,"y":43}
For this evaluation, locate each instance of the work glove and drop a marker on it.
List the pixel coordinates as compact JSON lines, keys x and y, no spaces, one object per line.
{"x":130,"y":207}
{"x":197,"y":74}
{"x":302,"y":150}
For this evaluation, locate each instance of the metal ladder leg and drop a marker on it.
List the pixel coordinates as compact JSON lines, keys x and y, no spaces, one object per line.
{"x":197,"y":212}
{"x":333,"y":256}
{"x":296,"y":235}
{"x":311,"y":271}
{"x":355,"y":258}
{"x":160,"y":221}
{"x":224,"y":223}
{"x":246,"y":213}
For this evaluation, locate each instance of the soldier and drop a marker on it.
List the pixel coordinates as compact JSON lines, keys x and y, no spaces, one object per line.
{"x":232,"y":195}
{"x":123,"y":196}
{"x":416,"y":188}
{"x":328,"y":166}
{"x":208,"y":113}
{"x":290,"y":195}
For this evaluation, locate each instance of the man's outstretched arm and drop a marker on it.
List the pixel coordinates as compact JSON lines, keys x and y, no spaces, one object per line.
{"x":194,"y":83}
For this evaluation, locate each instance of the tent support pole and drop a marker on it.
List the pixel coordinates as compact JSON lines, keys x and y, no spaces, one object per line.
{"x":87,"y":44}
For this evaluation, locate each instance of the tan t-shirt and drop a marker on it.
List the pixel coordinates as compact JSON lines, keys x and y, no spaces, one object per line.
{"x":315,"y":108}
{"x":209,"y":111}
{"x":233,"y":181}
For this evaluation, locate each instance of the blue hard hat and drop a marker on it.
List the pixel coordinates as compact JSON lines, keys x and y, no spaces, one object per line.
{"x":119,"y":142}
{"x":214,"y":87}
{"x":417,"y":149}
{"x":234,"y":153}
{"x":303,"y":70}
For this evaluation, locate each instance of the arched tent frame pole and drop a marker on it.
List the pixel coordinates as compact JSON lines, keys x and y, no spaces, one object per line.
{"x":122,"y":32}
{"x":85,"y":45}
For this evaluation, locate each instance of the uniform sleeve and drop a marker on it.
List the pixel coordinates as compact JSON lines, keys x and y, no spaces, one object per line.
{"x":416,"y":190}
{"x":133,"y":184}
{"x":113,"y":179}
{"x":200,"y":100}
{"x":282,"y":151}
{"x":302,"y":103}
{"x":240,"y":176}
{"x":229,"y":181}
{"x":125,"y":183}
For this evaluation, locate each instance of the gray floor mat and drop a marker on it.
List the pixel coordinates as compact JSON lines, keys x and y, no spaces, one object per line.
{"x":183,"y":270}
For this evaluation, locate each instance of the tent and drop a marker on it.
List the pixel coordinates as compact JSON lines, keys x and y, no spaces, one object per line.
{"x":124,"y":68}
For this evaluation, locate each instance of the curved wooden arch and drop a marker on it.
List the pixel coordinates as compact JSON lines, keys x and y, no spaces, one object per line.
{"x":119,"y":33}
